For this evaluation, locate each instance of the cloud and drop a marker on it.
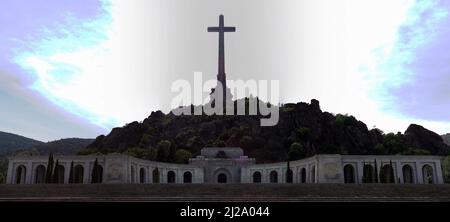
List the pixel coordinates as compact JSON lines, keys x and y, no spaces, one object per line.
{"x":354,"y":56}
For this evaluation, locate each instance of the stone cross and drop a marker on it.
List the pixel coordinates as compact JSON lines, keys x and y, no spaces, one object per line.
{"x":221,"y":29}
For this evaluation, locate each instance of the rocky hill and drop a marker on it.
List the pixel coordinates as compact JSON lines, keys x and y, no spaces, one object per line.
{"x":162,"y":136}
{"x":446,"y":138}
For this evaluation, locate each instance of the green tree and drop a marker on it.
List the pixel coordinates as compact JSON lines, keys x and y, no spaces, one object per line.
{"x":182,"y":156}
{"x":296,"y":151}
{"x":163,"y":150}
{"x":145,"y":140}
{"x":96,"y":172}
{"x":379,"y":149}
{"x":71,"y":179}
{"x":56,"y":172}
{"x":446,"y":169}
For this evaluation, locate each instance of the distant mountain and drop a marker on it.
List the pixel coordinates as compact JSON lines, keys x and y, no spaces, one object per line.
{"x":160,"y":136}
{"x":63,"y":146}
{"x":446,"y":138}
{"x":11,"y":142}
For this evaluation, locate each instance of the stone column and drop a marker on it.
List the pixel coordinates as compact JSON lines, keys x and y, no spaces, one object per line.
{"x":419,"y":173}
{"x":85,"y":172}
{"x":29,"y":172}
{"x":359,"y":172}
{"x":66,"y":172}
{"x":439,"y":176}
{"x":163,"y":175}
{"x":9,"y":175}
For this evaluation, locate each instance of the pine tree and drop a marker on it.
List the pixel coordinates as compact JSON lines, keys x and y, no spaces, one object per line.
{"x":56,"y":173}
{"x":49,"y":172}
{"x":71,"y":179}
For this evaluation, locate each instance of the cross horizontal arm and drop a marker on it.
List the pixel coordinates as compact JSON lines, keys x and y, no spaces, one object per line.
{"x":213,"y":29}
{"x":221,"y":29}
{"x":229,"y":29}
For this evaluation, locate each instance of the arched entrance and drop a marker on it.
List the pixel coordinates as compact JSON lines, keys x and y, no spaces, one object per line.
{"x":349,"y":174}
{"x":187,"y":177}
{"x":428,"y":177}
{"x":97,"y":174}
{"x":155,"y":175}
{"x":368,"y":174}
{"x":408,"y":176}
{"x":303,"y":175}
{"x":40,"y":174}
{"x":58,"y":175}
{"x":21,"y":173}
{"x":142,"y":176}
{"x":273,"y":176}
{"x":78,"y":174}
{"x":289,"y":176}
{"x":257,"y":177}
{"x":222,"y":176}
{"x":387,"y":174}
{"x":170,"y":177}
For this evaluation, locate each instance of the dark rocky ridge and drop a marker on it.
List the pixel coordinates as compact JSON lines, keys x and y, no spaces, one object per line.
{"x":446,"y":138}
{"x":317,"y":131}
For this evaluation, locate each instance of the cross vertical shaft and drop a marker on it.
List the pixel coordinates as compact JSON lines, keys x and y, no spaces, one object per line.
{"x":221,"y":29}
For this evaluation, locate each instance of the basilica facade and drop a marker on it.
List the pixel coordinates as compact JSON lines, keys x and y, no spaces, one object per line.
{"x":230,"y":165}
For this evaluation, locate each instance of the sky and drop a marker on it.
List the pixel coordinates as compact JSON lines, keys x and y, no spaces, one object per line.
{"x":78,"y":68}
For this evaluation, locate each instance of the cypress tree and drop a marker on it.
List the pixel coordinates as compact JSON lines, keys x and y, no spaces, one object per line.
{"x":366,"y":174}
{"x":49,"y":172}
{"x":71,"y":179}
{"x":95,"y":175}
{"x":376,"y":172}
{"x":56,"y":173}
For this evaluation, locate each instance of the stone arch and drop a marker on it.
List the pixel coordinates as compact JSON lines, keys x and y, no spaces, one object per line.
{"x":40,"y":174}
{"x":21,"y":174}
{"x":289,"y":176}
{"x":59,"y":173}
{"x":273,"y":176}
{"x":257,"y":177}
{"x":222,"y":176}
{"x":387,"y":174}
{"x":303,"y":175}
{"x":78,"y":174}
{"x":408,"y":174}
{"x":97,"y":174}
{"x":187,"y":177}
{"x":171,"y":177}
{"x":428,"y":176}
{"x":133,"y":175}
{"x":349,"y":174}
{"x":368,"y":174}
{"x":142,"y":175}
{"x":313,"y":174}
{"x":155,"y":175}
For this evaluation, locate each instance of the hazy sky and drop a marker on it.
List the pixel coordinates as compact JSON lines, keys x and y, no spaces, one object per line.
{"x":77,"y":68}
